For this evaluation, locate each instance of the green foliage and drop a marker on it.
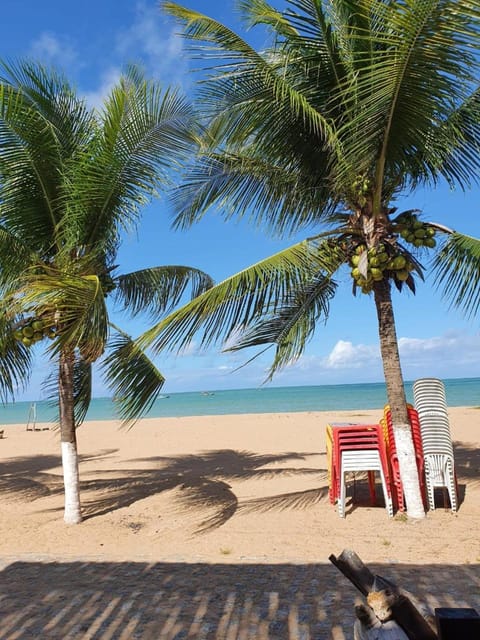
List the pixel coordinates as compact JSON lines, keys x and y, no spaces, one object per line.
{"x":347,"y":106}
{"x":71,"y":181}
{"x":457,"y":271}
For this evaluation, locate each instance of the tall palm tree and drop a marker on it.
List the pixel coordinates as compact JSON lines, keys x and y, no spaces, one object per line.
{"x":71,"y":181}
{"x":352,"y":104}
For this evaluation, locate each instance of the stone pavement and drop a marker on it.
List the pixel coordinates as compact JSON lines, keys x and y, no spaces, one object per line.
{"x":100,"y":600}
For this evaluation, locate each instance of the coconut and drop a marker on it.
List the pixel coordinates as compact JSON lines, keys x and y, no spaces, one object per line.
{"x":399,"y":262}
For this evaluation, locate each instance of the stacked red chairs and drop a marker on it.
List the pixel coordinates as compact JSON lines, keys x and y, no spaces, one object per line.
{"x":357,"y":447}
{"x":397,"y":487}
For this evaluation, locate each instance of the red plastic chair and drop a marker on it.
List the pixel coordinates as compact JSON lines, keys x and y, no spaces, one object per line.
{"x":393,"y":457}
{"x":351,"y":437}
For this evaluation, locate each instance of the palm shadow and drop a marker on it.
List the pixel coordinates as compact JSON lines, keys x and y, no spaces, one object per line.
{"x":201,"y":482}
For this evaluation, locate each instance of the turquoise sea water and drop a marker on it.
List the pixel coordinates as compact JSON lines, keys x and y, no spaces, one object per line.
{"x":460,"y":392}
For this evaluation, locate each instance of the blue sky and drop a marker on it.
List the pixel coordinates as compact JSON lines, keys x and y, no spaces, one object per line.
{"x":91,"y":41}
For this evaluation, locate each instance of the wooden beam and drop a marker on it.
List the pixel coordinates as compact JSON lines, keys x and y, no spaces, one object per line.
{"x":401,"y":608}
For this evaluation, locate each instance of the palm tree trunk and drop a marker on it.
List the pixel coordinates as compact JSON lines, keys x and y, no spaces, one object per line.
{"x":397,"y":400}
{"x":72,"y":513}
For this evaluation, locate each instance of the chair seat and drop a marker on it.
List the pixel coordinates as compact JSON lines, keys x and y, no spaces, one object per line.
{"x":362,"y":460}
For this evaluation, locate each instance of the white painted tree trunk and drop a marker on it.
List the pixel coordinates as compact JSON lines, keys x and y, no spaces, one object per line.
{"x":408,"y":470}
{"x":73,"y":512}
{"x":397,"y":401}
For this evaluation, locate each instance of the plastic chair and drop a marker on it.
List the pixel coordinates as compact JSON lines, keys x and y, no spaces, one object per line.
{"x":431,"y":404}
{"x":397,"y":487}
{"x":356,"y":447}
{"x":362,"y":460}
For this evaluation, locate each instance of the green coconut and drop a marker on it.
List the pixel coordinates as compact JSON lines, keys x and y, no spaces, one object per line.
{"x":27,"y":331}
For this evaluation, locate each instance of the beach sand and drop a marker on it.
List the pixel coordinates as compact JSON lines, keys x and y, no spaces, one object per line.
{"x":241,"y":488}
{"x":215,"y":528}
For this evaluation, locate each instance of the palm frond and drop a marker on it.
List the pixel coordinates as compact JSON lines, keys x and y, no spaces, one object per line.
{"x":15,"y":359}
{"x":281,"y":199}
{"x":142,"y":135}
{"x":238,"y":300}
{"x":245,"y":64}
{"x":15,"y":255}
{"x":422,"y":67}
{"x":73,"y":305}
{"x":292,"y":325}
{"x":131,"y":376}
{"x":42,"y":123}
{"x":457,"y":272}
{"x":82,"y":388}
{"x":159,"y":289}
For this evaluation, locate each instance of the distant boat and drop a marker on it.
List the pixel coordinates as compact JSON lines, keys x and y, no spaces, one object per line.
{"x":207,"y":393}
{"x":163,"y":397}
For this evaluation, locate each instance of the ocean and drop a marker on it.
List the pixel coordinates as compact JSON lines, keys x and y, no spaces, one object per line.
{"x":459,"y":391}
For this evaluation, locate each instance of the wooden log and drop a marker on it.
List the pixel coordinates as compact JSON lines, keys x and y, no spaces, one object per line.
{"x":386,"y":599}
{"x":353,"y":568}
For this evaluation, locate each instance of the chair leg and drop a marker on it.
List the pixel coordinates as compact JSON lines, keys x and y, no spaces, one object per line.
{"x":371,"y":486}
{"x":386,"y":496}
{"x":430,"y":491}
{"x":341,"y":497}
{"x":452,"y":488}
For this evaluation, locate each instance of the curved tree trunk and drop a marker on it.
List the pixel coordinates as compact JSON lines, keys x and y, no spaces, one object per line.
{"x":397,"y":400}
{"x":72,"y":513}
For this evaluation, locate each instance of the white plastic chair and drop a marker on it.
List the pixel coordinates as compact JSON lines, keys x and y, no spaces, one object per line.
{"x":440,"y":472}
{"x":361,"y":460}
{"x":431,"y":405}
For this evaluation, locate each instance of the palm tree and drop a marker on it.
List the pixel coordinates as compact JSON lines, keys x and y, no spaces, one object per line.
{"x":71,"y":181}
{"x":352,"y":105}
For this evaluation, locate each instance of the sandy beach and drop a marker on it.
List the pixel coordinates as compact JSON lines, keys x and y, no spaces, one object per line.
{"x":215,"y":528}
{"x":237,"y":488}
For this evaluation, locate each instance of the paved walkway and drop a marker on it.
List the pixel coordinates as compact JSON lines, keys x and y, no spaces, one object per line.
{"x":174,"y":601}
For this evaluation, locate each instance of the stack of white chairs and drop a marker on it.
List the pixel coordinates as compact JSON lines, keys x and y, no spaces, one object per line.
{"x":431,"y":405}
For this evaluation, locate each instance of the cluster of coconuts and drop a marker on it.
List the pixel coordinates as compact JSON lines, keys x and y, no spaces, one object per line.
{"x":33,"y":331}
{"x":380,"y":265}
{"x":412,"y":230}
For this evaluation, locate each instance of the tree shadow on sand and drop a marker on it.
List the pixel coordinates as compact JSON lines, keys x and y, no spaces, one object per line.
{"x":201,"y":482}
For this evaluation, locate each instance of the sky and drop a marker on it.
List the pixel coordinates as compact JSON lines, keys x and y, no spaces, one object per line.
{"x":91,"y":42}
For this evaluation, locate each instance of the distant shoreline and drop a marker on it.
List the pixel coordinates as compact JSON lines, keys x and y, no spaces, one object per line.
{"x":461,"y":392}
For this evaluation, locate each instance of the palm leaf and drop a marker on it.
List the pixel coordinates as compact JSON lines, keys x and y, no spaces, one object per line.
{"x":281,"y":199}
{"x":457,"y":271}
{"x":15,"y":358}
{"x":75,"y":305}
{"x":238,"y":300}
{"x":243,"y":63}
{"x":15,"y":256}
{"x":159,"y":289}
{"x":133,"y":379}
{"x":414,"y":46}
{"x":41,"y":124}
{"x":292,"y":325}
{"x":142,"y":135}
{"x":82,"y":389}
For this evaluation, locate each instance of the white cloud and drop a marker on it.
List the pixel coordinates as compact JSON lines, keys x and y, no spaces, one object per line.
{"x":454,"y":354}
{"x":51,"y":49}
{"x":108,"y":79}
{"x":158,"y":46}
{"x":347,"y":355}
